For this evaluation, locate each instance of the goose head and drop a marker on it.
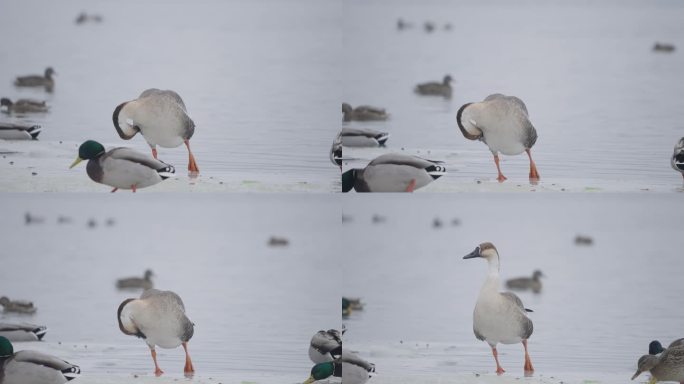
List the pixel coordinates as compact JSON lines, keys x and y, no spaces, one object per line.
{"x":90,"y":149}
{"x":6,"y":348}
{"x":486,"y":251}
{"x":646,"y":363}
{"x":466,"y":124}
{"x":321,"y":371}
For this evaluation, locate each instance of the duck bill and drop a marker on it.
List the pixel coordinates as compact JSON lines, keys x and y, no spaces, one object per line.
{"x":473,"y":254}
{"x":636,"y":374}
{"x":309,"y":380}
{"x":75,"y":163}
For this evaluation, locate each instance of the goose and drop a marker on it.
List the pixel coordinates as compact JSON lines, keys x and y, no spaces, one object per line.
{"x":362,"y":113}
{"x":668,"y":366}
{"x":144,"y":282}
{"x":10,"y":131}
{"x":356,"y":137}
{"x":677,"y":160}
{"x":522,"y":283}
{"x":655,"y":347}
{"x":392,"y":172}
{"x":499,"y":317}
{"x":501,"y":122}
{"x":37,"y":81}
{"x":33,"y":367}
{"x":325,"y":346}
{"x":22,"y":331}
{"x":121,"y":167}
{"x":350,"y":367}
{"x":24,"y":106}
{"x":19,"y":306}
{"x":435,"y":89}
{"x":161,"y":117}
{"x":159,"y":318}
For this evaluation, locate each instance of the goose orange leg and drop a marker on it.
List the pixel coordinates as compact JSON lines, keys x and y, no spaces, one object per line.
{"x":157,"y":371}
{"x":501,"y":177}
{"x":411,"y":186}
{"x":529,"y":369}
{"x":189,"y":369}
{"x":192,"y":164}
{"x":499,"y":370}
{"x":114,"y":190}
{"x":134,"y":188}
{"x":534,"y":175}
{"x":154,"y":152}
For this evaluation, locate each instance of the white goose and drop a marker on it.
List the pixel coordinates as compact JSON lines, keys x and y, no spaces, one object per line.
{"x":162,"y":119}
{"x":499,"y":317}
{"x":159,"y":318}
{"x":501,"y":122}
{"x":325,"y":346}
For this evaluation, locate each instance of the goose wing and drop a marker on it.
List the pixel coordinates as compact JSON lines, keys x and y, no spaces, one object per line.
{"x":164,"y":93}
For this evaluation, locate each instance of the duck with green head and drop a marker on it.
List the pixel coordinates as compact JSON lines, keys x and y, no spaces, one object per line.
{"x":323,"y":371}
{"x":121,"y":167}
{"x":33,"y":367}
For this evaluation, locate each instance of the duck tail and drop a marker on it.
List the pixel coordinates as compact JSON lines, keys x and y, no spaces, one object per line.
{"x":436,"y":171}
{"x":72,"y":372}
{"x":166,"y":172}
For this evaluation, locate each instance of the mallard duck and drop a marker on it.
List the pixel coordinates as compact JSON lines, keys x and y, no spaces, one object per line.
{"x":121,"y":167}
{"x":435,"y":89}
{"x":362,"y":113}
{"x":523,"y":283}
{"x":655,"y":347}
{"x":503,"y":124}
{"x":392,"y":172}
{"x":19,"y":306}
{"x":144,"y":282}
{"x":24,"y":105}
{"x":356,"y":137}
{"x":33,"y":367}
{"x":677,"y":160}
{"x":325,"y":346}
{"x":350,"y":367}
{"x":22,"y":331}
{"x":499,"y":317}
{"x":84,"y":17}
{"x":10,"y":131}
{"x":159,"y":318}
{"x":668,"y":366}
{"x":162,"y":119}
{"x":37,"y":81}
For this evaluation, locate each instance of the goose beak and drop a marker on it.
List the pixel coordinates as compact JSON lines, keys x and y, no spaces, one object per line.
{"x":473,"y":254}
{"x":309,"y":380}
{"x":75,"y":163}
{"x":638,"y":372}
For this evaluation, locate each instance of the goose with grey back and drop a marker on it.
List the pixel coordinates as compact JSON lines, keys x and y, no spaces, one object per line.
{"x":12,"y":131}
{"x":363,"y":137}
{"x":524,"y":283}
{"x":363,"y":113}
{"x":22,"y":331}
{"x":161,"y":117}
{"x":654,"y":347}
{"x":677,"y":160}
{"x":435,"y":89}
{"x":23,"y":106}
{"x":499,"y":317}
{"x":33,"y":367}
{"x":122,"y":168}
{"x":668,"y":366}
{"x":392,"y":172}
{"x":159,"y":318}
{"x":135,"y":282}
{"x":325,"y":346}
{"x":45,"y":81}
{"x":501,"y":122}
{"x":17,"y":306}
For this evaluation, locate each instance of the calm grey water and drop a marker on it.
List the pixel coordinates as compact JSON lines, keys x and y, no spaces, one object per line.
{"x":607,"y":108}
{"x":255,"y":307}
{"x":600,"y":307}
{"x":258,"y":77}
